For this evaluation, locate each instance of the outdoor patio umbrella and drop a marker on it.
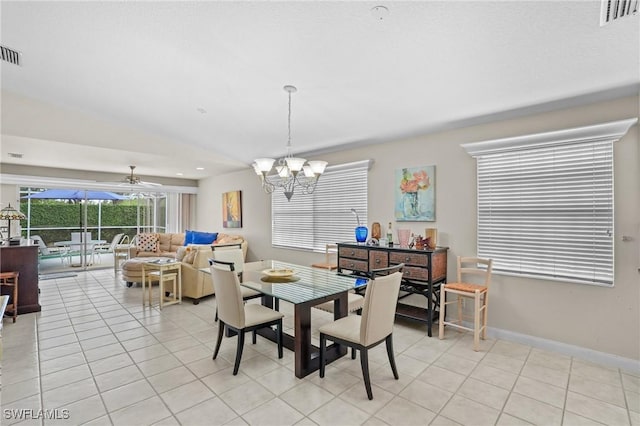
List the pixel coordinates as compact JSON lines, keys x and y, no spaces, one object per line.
{"x":75,"y":194}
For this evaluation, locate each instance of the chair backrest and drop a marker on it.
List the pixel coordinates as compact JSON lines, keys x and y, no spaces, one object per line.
{"x":469,"y":270}
{"x":77,"y":236}
{"x":232,"y":254}
{"x":42,"y":247}
{"x":228,"y":295}
{"x":379,"y":310}
{"x":116,"y":240}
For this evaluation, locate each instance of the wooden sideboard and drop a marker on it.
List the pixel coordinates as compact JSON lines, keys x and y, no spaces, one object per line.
{"x":23,"y":259}
{"x":423,"y":273}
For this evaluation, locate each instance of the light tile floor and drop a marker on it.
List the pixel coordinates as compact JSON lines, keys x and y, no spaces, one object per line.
{"x":96,"y":356}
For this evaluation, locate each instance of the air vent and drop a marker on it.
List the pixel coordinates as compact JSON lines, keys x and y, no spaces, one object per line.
{"x":15,"y":155}
{"x":10,"y":55}
{"x":611,"y":10}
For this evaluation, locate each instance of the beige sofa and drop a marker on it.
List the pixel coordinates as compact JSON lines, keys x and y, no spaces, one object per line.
{"x":196,"y":284}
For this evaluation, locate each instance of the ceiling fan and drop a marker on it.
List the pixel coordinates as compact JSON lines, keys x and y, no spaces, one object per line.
{"x":133,"y":180}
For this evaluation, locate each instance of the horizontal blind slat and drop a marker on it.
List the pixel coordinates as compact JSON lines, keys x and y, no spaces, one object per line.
{"x":548,"y":211}
{"x":313,"y":220}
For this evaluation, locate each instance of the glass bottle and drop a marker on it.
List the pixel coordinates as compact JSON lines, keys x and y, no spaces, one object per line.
{"x":390,"y":235}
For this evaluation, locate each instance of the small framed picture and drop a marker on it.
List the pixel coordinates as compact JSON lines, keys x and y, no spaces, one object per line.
{"x":232,"y":209}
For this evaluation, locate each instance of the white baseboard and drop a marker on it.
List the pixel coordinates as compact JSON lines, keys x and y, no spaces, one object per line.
{"x":625,"y":364}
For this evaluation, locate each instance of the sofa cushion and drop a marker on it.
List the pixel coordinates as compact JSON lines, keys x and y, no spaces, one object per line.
{"x":169,"y":242}
{"x":180,"y":253}
{"x":228,"y":239}
{"x":148,"y":242}
{"x":189,"y":256}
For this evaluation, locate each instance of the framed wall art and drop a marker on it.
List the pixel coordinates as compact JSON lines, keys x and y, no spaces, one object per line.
{"x":415,"y":195}
{"x":232,"y":209}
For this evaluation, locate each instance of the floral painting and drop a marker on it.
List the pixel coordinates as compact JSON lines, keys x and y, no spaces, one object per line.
{"x":232,"y":209}
{"x":415,"y":194}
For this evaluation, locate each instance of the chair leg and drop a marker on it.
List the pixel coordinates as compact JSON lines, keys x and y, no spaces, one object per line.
{"x":484,"y":315}
{"x":476,"y":321}
{"x":323,"y":353}
{"x":364,"y":363}
{"x":236,"y":366}
{"x":254,"y":337}
{"x":216,"y":318}
{"x":392,"y":359}
{"x":353,"y":353}
{"x":443,"y":299}
{"x":279,"y":338}
{"x":220,"y":333}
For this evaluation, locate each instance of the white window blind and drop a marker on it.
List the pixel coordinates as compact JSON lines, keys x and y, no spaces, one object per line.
{"x":311,"y":221}
{"x":545,"y":202}
{"x":548,"y":211}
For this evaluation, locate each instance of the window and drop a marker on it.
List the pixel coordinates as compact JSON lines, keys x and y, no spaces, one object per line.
{"x":314,"y":220}
{"x":545,"y":203}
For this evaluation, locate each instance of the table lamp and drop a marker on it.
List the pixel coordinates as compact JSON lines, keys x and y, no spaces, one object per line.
{"x":9,"y":214}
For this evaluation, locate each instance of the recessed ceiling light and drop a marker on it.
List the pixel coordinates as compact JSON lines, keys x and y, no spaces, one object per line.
{"x":201,"y":110}
{"x":179,"y":174}
{"x":379,"y":12}
{"x":199,"y":168}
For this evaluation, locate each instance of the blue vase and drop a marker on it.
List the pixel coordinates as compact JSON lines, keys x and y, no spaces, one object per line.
{"x":361,"y":234}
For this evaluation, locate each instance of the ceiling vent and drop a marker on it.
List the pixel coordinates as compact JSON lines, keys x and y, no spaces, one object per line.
{"x":612,"y":10}
{"x":10,"y":55}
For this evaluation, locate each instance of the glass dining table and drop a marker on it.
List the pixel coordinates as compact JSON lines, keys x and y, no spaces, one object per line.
{"x":304,"y":287}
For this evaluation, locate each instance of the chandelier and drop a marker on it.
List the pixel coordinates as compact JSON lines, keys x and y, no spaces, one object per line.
{"x":290,"y":173}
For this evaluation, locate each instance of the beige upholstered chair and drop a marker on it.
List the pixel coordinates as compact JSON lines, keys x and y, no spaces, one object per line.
{"x":479,"y":292}
{"x":372,"y":328}
{"x":233,"y":254}
{"x":237,"y":316}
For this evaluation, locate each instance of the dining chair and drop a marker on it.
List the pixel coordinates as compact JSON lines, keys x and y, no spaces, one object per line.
{"x":468,"y":267}
{"x":237,"y":316}
{"x":233,"y":254}
{"x":374,"y":326}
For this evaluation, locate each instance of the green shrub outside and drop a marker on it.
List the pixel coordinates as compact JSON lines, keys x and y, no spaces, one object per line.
{"x":115,"y":219}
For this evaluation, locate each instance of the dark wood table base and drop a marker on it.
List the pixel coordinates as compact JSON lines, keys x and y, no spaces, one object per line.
{"x":307,"y":355}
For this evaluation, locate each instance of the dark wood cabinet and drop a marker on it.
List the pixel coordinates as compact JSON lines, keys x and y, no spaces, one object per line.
{"x":23,"y":259}
{"x":423,"y":273}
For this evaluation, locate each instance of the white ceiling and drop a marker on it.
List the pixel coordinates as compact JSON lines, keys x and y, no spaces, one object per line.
{"x":108,"y":84}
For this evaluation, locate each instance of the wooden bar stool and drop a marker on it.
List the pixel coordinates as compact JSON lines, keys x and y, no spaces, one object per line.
{"x":330,"y":258}
{"x":10,"y":279}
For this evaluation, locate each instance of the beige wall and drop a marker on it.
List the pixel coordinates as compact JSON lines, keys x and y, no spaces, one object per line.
{"x":598,"y":318}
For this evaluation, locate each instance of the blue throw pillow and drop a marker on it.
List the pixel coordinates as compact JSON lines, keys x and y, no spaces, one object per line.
{"x":203,"y":237}
{"x":188,"y":237}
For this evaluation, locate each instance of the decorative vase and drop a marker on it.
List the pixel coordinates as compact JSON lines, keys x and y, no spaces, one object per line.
{"x":361,"y":234}
{"x":410,"y":204}
{"x":403,"y":237}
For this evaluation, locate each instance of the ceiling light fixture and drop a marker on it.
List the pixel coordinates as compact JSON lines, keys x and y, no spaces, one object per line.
{"x":287,"y":171}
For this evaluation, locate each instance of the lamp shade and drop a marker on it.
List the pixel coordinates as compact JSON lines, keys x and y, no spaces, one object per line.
{"x":265,"y":164}
{"x":295,"y":164}
{"x":9,"y":213}
{"x":318,"y":166}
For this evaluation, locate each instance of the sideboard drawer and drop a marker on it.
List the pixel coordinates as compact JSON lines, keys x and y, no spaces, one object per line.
{"x":420,"y":274}
{"x":354,"y":265}
{"x":355,"y":253}
{"x":378,"y":259}
{"x":417,"y":259}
